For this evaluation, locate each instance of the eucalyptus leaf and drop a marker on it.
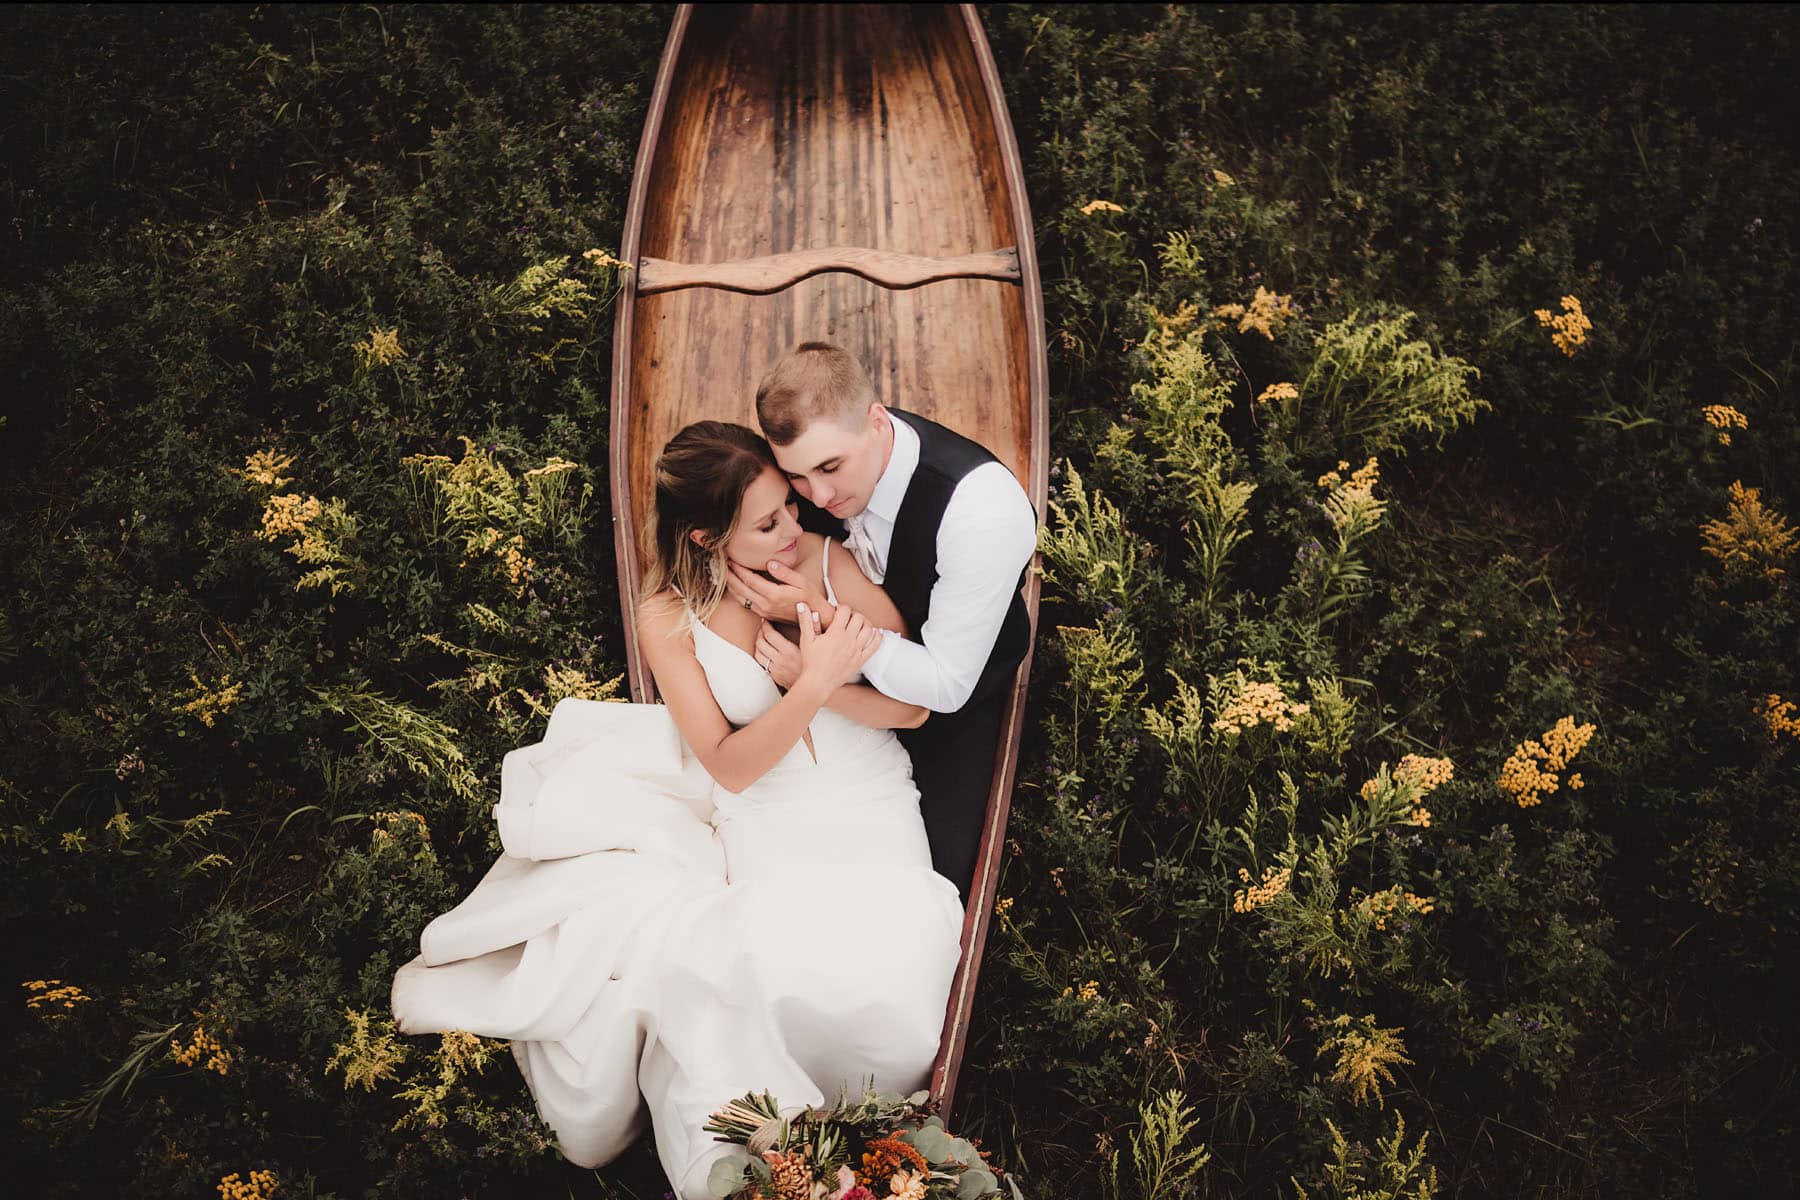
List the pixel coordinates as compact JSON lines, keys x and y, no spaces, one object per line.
{"x":726,"y":1177}
{"x":976,"y":1183}
{"x":933,"y":1143}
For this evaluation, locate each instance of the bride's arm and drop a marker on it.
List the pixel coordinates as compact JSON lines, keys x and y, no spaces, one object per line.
{"x":866,"y":706}
{"x":737,"y":758}
{"x":860,"y":592}
{"x":857,"y":701}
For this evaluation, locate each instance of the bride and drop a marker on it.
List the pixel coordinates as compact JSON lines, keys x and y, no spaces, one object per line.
{"x":728,"y":892}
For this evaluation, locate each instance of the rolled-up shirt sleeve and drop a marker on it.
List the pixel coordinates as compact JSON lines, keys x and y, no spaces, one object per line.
{"x":986,"y":538}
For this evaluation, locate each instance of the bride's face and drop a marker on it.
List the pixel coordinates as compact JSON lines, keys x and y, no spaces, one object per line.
{"x":768,"y":527}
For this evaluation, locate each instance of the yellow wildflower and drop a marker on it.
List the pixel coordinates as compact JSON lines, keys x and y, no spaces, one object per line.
{"x":210,"y":702}
{"x":1571,"y":325}
{"x":202,"y":1045}
{"x":1724,"y":417}
{"x":287,"y":514}
{"x":1393,"y":902}
{"x":260,"y":1186}
{"x":1089,"y":991}
{"x":601,"y":259}
{"x":1425,"y":775}
{"x":53,"y":998}
{"x":1778,"y":716}
{"x":1003,"y":906}
{"x":1094,"y":206}
{"x":1751,"y":539}
{"x":1248,"y":705}
{"x":1170,"y":326}
{"x":381,"y":348}
{"x":1278,"y":391}
{"x":1222,"y":179}
{"x":368,"y":1056}
{"x":1266,"y":313}
{"x":1366,"y":1055}
{"x":266,"y":467}
{"x":1351,"y":503}
{"x":1253,"y":896}
{"x":1530,"y":771}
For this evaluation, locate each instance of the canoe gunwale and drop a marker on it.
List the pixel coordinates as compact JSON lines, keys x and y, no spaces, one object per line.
{"x":1022,"y":271}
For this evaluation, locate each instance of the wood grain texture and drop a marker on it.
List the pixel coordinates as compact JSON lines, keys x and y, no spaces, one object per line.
{"x":774,"y":272}
{"x":788,"y":130}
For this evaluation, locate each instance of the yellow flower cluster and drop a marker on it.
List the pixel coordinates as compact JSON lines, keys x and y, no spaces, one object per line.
{"x":1003,"y":906}
{"x":601,"y":259}
{"x":1571,"y":325}
{"x":1393,"y":902}
{"x":210,"y":702}
{"x":1266,"y":313}
{"x":1778,"y":716}
{"x":1751,"y":539}
{"x":386,"y":822}
{"x":1278,"y":391}
{"x":1170,"y":326}
{"x":1256,"y":704}
{"x":1424,"y":775}
{"x":561,"y":683}
{"x":381,"y":348}
{"x":260,"y":1186}
{"x":1094,"y":206}
{"x":1723,"y":417}
{"x":1366,"y":1055}
{"x":1351,"y":503}
{"x":511,"y":553}
{"x":1253,"y":896}
{"x":370,"y":1055}
{"x":1087,"y":993}
{"x":1530,"y":771}
{"x":288,"y":515}
{"x":266,"y":467}
{"x":48,"y":995}
{"x":204,"y":1045}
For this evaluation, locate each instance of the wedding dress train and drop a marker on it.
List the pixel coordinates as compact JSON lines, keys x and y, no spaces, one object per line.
{"x":654,"y":945}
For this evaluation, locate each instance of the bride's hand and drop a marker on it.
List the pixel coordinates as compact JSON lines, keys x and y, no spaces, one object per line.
{"x":778,"y":656}
{"x":834,"y":656}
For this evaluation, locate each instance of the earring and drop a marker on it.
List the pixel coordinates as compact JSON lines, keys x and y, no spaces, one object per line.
{"x":712,"y":569}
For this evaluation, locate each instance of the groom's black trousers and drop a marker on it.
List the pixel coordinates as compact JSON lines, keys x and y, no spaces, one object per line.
{"x":953,"y":766}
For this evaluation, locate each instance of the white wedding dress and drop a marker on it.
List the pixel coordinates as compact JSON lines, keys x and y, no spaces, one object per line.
{"x":654,"y":945}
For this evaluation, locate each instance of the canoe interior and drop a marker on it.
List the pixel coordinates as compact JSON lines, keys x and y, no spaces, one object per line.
{"x":797,"y":130}
{"x":802,"y":127}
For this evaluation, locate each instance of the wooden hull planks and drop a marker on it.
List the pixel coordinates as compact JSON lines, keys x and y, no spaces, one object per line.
{"x":840,"y":173}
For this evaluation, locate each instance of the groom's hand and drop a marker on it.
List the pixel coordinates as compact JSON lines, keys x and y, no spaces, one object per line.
{"x":775,"y":600}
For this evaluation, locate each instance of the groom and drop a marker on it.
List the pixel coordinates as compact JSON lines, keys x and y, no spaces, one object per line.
{"x":946,"y":528}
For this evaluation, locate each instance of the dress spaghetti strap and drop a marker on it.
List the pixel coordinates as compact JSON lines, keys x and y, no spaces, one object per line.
{"x":825,"y":569}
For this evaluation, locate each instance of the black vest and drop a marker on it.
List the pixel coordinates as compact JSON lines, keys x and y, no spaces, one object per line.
{"x":944,"y":458}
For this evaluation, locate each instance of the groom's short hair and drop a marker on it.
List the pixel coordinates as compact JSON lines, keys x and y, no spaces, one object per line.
{"x":814,"y":381}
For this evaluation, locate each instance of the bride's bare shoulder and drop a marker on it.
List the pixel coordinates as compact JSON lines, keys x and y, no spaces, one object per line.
{"x":660,"y":616}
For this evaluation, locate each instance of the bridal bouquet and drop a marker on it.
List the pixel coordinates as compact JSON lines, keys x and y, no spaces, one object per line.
{"x":883,"y":1146}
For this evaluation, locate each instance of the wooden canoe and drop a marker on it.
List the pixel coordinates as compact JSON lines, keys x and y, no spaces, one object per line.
{"x":848,"y":174}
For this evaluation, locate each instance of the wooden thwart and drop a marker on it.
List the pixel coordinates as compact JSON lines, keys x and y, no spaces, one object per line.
{"x":773,"y":272}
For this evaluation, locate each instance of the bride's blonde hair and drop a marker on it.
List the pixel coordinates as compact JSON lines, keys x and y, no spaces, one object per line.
{"x":701,"y":477}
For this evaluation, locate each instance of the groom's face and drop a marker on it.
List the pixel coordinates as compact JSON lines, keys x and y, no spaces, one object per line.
{"x":836,"y":465}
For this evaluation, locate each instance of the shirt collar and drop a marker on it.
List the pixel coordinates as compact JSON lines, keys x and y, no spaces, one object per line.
{"x":890,"y":489}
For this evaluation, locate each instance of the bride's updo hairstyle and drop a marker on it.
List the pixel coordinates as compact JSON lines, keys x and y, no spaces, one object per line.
{"x":701,"y":477}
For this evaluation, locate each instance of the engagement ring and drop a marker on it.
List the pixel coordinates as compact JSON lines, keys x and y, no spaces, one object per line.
{"x":746,"y":604}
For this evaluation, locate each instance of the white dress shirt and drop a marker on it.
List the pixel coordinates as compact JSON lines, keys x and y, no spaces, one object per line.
{"x":987,"y":536}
